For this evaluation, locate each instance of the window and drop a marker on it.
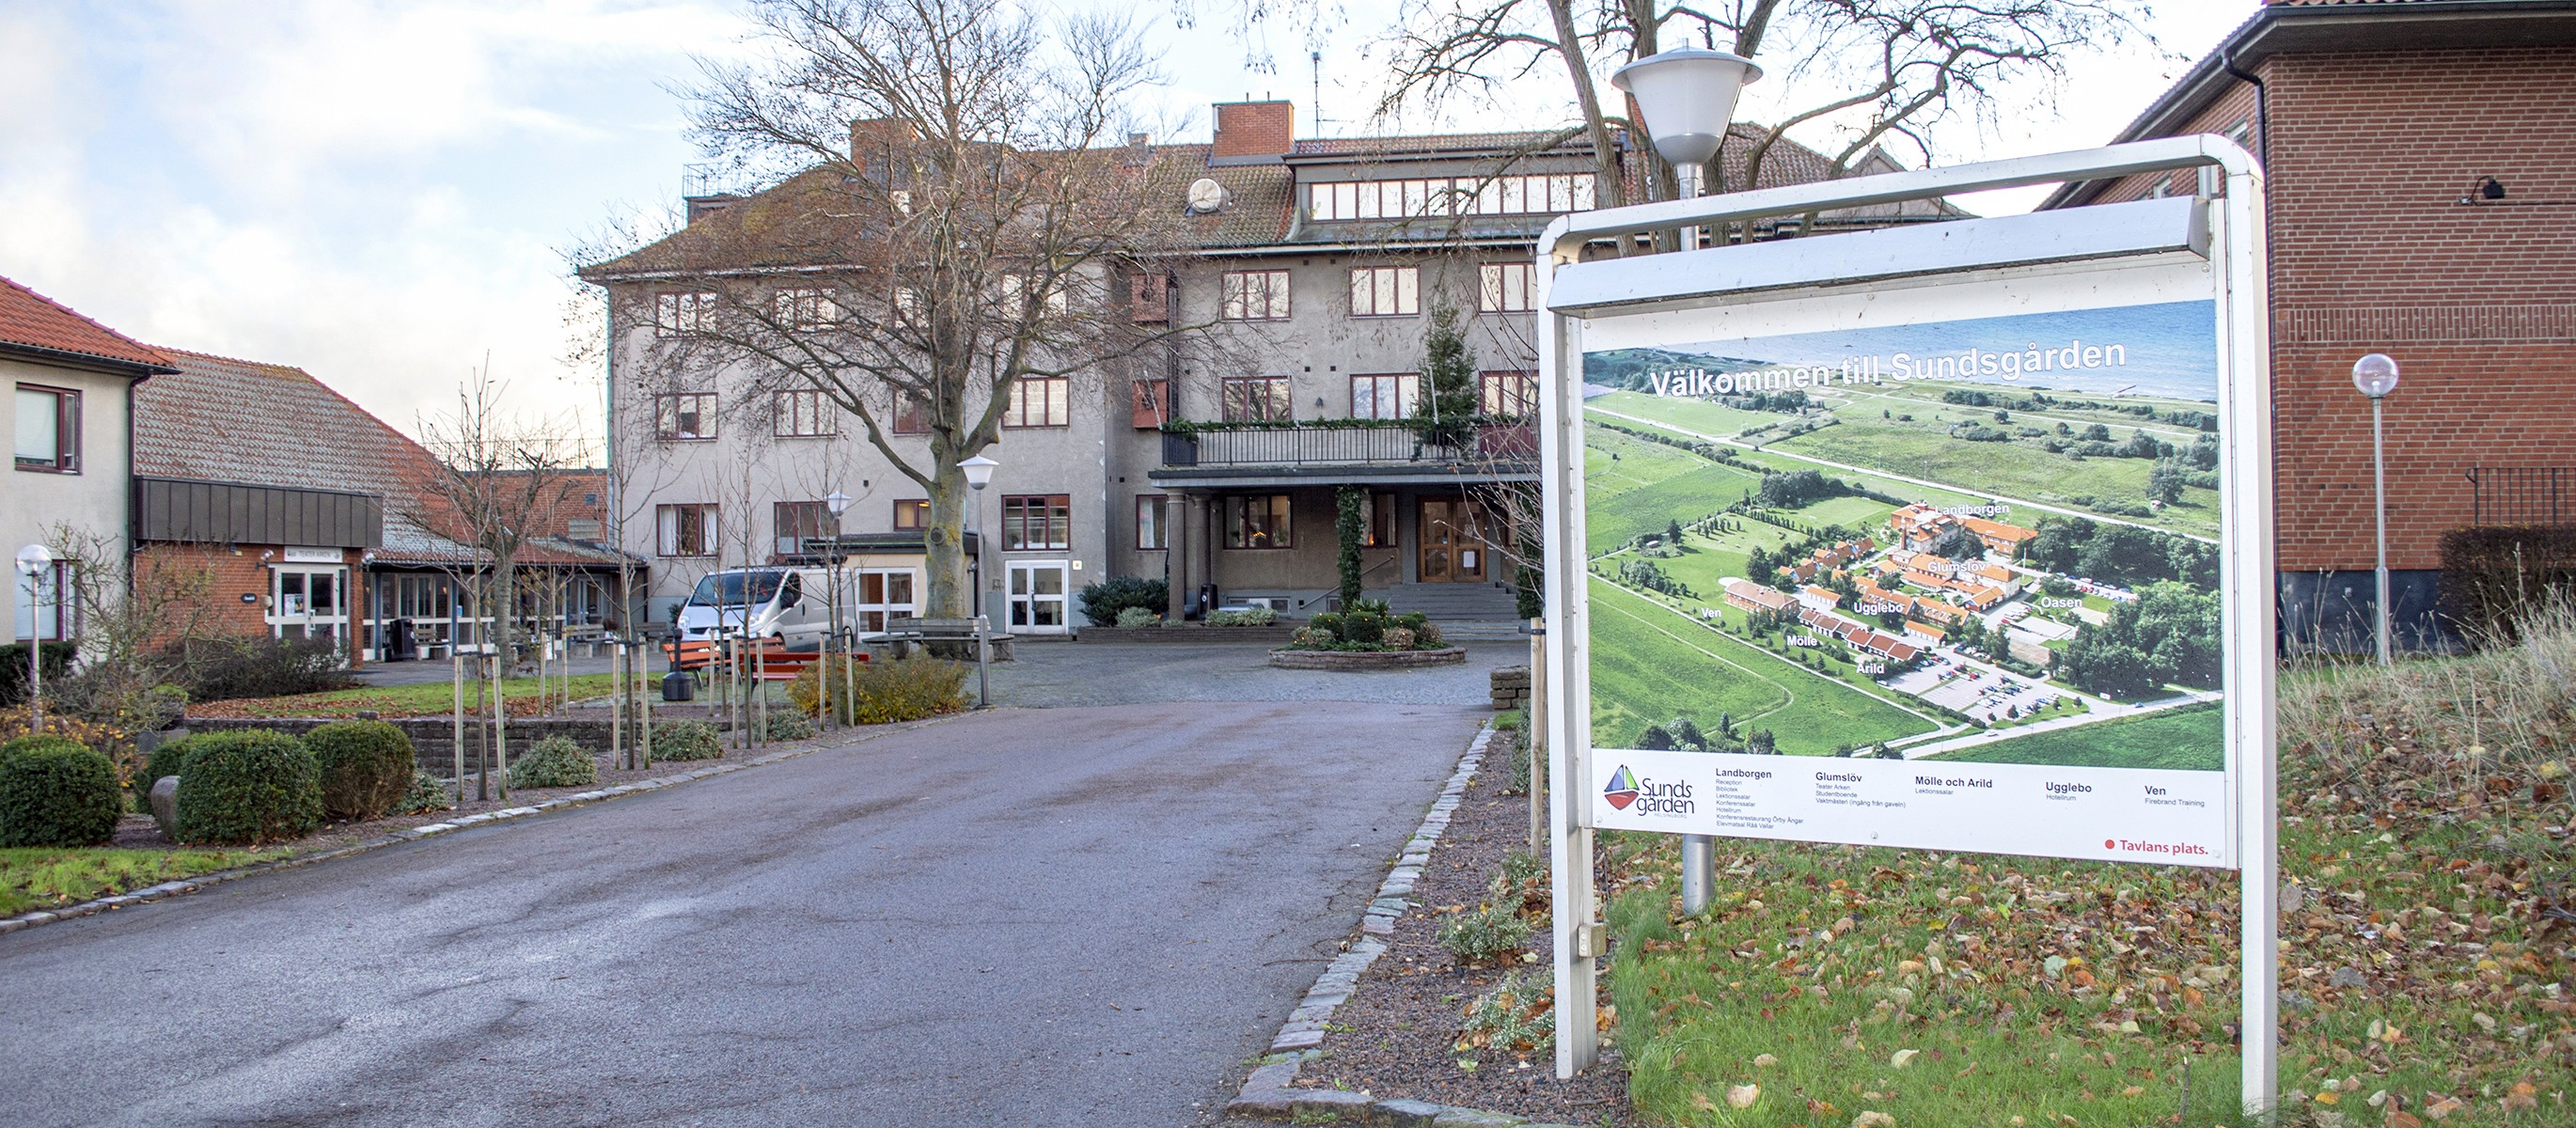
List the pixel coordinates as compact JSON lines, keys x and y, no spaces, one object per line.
{"x":49,"y":429}
{"x":1250,"y":399}
{"x":910,"y":515}
{"x":1037,"y":521}
{"x":1508,"y":393}
{"x":911,"y":413}
{"x":1520,"y":194}
{"x":682,"y":417}
{"x":678,"y":314}
{"x":1383,"y":397}
{"x":1255,"y":295}
{"x":1378,"y":518}
{"x":1149,"y":298}
{"x":684,"y":530}
{"x":883,"y":593}
{"x":1039,"y":401}
{"x":805,"y":415}
{"x":804,"y":308}
{"x":56,"y":614}
{"x":1507,"y":287}
{"x":1153,"y":404}
{"x":1150,"y":514}
{"x":1258,"y":521}
{"x":1386,"y":291}
{"x":795,"y":521}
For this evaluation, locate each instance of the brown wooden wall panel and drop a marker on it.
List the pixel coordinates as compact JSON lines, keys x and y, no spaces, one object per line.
{"x":180,"y":510}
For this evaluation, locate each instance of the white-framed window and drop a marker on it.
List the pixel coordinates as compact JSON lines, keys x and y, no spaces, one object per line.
{"x":684,"y":530}
{"x":804,"y":413}
{"x":1388,"y":396}
{"x":1040,"y":401}
{"x":880,"y":594}
{"x":683,"y":313}
{"x":1255,"y":295}
{"x":1507,"y":287}
{"x":1517,"y":194}
{"x":806,"y":308}
{"x":1386,"y":291}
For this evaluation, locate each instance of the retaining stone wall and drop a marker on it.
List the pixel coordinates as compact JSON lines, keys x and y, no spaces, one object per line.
{"x":430,"y":736}
{"x":1511,"y":686}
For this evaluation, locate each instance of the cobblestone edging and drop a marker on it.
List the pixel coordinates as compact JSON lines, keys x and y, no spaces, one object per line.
{"x":1272,"y":1089}
{"x":169,"y":889}
{"x":1365,"y":659}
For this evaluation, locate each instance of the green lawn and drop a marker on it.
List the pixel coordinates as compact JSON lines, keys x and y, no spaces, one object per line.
{"x":1651,"y":664}
{"x":390,"y":701}
{"x":1853,"y":512}
{"x":1923,"y":449}
{"x":1714,"y":556}
{"x":1649,"y":486}
{"x":52,"y":877}
{"x":2186,"y":739}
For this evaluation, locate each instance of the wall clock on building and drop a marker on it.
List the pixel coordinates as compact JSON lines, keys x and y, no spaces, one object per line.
{"x":1206,"y":196}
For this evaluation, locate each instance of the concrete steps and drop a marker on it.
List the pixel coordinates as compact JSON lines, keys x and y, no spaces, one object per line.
{"x":1465,"y":612}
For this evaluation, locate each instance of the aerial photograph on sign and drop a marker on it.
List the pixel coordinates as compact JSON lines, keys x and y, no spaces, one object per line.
{"x":1991,"y":540}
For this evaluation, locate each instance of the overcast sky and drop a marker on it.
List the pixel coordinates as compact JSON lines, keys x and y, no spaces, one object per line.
{"x":380,"y":192}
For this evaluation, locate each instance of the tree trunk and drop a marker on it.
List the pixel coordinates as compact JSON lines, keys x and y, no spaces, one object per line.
{"x":951,"y":594}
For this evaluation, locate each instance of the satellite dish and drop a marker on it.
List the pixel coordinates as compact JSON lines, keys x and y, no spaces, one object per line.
{"x":1206,"y":195}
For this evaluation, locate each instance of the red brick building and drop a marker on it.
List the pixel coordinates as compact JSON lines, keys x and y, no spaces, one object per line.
{"x":2420,"y":158}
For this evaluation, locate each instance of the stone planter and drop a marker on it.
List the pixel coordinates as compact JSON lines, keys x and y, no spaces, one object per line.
{"x":1366,"y":659}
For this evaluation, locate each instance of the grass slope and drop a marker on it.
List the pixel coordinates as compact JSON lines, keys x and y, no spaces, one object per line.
{"x":2185,"y":739}
{"x":1649,"y":665}
{"x":50,"y":878}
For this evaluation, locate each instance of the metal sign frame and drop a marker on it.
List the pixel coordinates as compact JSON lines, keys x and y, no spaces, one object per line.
{"x":2235,"y":243}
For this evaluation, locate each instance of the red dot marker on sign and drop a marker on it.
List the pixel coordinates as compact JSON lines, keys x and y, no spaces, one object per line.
{"x":2110,"y":844}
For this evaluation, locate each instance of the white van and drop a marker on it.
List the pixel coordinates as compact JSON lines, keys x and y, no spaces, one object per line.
{"x":790,"y":604}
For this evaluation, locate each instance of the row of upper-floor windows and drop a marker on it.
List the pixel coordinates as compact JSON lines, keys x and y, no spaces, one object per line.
{"x":1047,"y":402}
{"x":1520,"y":194}
{"x":1244,"y":295}
{"x":1030,"y":523}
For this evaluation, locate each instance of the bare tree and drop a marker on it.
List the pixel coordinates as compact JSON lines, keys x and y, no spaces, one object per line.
{"x":977,"y":228}
{"x":135,"y":614}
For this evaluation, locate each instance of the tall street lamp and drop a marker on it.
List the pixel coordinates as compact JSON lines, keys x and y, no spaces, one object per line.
{"x":2376,"y":376}
{"x":979,"y":474}
{"x":32,"y":562}
{"x":1687,"y":98}
{"x":836,"y":503}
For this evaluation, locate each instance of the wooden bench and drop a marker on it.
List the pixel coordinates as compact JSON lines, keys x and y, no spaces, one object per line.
{"x":772,"y":660}
{"x":944,"y":638}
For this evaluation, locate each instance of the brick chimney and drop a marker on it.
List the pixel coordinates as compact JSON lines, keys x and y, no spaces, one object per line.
{"x":1255,"y":129}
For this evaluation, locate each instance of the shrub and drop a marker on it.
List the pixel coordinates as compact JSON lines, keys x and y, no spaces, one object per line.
{"x":1364,"y":626}
{"x":1427,"y":637}
{"x":1104,"y":601}
{"x":1398,"y":638}
{"x":1517,"y":1016}
{"x":1489,"y":933}
{"x":1248,"y":617}
{"x":105,"y":740}
{"x":1412,"y":621}
{"x":906,"y":689}
{"x":426,"y":793}
{"x":221,"y":669}
{"x":688,"y":740}
{"x":2492,"y":576}
{"x":555,"y":762}
{"x":1136,"y":617}
{"x":53,"y":792}
{"x":13,"y":668}
{"x":247,"y":787}
{"x":1330,"y":623}
{"x":366,"y":766}
{"x":787,"y":726}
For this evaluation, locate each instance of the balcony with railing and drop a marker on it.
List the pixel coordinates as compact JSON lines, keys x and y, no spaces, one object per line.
{"x":1495,"y":447}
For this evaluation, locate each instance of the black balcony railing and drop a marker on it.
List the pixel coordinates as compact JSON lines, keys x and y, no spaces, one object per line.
{"x":2522,"y":495}
{"x":1219,"y":445}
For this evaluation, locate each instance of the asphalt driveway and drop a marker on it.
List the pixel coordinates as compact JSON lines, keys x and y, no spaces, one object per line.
{"x":1069,"y":916}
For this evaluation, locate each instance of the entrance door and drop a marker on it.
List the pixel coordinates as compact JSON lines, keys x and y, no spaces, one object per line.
{"x":1038,"y":597}
{"x":308,"y":602}
{"x":883,"y":593}
{"x":1450,"y":541}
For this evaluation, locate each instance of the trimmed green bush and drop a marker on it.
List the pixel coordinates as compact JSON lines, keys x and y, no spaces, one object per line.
{"x":876,"y":693}
{"x":1364,"y":626}
{"x":1138,"y":618}
{"x":246,"y":787}
{"x":54,"y":792}
{"x":167,"y":760}
{"x":1102,"y":602}
{"x":427,"y":793}
{"x":787,"y":726}
{"x":686,"y":740}
{"x":366,"y":766}
{"x":555,"y":762}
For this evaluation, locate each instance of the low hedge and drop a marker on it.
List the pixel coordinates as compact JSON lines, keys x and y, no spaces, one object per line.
{"x":876,"y":693}
{"x":53,"y":792}
{"x":555,"y":762}
{"x":365,"y":766}
{"x":250,"y":786}
{"x":687,"y":740}
{"x":2492,"y":575}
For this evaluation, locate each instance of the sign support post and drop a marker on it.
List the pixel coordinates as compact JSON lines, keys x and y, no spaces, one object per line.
{"x":2213,"y":253}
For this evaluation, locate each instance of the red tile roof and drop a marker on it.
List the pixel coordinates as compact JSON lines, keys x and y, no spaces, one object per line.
{"x":33,"y":321}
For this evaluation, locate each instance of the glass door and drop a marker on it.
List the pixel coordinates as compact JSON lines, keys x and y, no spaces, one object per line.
{"x":308,"y":602}
{"x":1451,"y":541}
{"x":1038,"y":599}
{"x":883,"y":594}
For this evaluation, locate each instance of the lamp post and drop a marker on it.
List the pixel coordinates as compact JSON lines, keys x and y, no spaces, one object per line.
{"x":32,"y":562}
{"x":835,"y":503}
{"x":1687,"y":98}
{"x":2375,"y":375}
{"x":979,"y":474}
